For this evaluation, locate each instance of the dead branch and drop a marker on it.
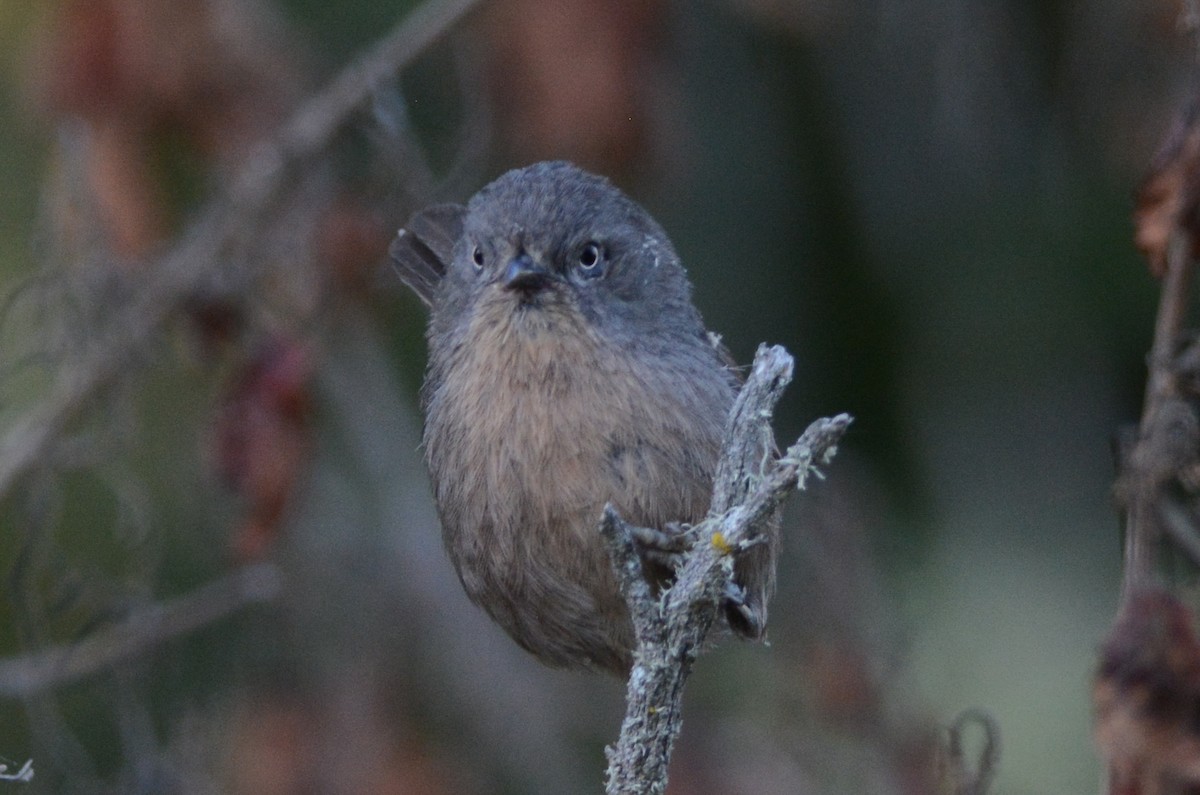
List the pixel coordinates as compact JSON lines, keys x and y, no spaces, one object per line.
{"x":672,"y":627}
{"x":1150,"y":464}
{"x":23,"y":676}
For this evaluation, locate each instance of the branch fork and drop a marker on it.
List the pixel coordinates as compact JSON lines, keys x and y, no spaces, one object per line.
{"x":672,"y":626}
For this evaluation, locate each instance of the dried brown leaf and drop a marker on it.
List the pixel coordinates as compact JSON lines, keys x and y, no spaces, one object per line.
{"x":1146,"y":695}
{"x":1167,"y":199}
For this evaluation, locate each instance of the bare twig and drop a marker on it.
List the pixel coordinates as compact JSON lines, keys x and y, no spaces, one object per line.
{"x":31,"y":673}
{"x":1180,"y":526}
{"x":227,"y":225}
{"x":313,"y":127}
{"x":671,"y":628}
{"x":1146,"y":478}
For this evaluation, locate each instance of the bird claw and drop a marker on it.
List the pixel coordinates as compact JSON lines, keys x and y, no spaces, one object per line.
{"x":664,"y":547}
{"x":734,"y":595}
{"x":742,"y":618}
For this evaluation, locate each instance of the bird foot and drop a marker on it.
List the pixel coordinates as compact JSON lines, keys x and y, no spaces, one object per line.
{"x":664,"y":547}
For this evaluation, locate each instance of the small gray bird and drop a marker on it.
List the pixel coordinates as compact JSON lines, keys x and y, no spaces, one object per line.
{"x":568,"y":368}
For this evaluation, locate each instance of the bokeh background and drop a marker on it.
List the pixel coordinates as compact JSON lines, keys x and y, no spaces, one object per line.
{"x":926,"y":201}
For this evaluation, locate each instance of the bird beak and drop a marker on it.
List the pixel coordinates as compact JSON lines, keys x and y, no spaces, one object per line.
{"x":525,"y":275}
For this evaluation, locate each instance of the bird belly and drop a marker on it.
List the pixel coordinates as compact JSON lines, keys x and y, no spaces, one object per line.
{"x":538,"y":448}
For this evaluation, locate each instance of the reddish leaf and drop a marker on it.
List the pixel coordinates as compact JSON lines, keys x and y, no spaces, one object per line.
{"x":571,"y":77}
{"x":262,"y":439}
{"x":1168,"y":197}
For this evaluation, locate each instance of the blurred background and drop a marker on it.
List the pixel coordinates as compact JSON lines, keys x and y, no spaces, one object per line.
{"x":214,"y":496}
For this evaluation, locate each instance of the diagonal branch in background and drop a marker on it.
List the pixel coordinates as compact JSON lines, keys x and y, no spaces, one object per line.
{"x":672,"y":627}
{"x":133,"y":636}
{"x":227,"y":225}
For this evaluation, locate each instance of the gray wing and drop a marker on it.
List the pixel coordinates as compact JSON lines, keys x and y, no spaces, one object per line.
{"x":424,"y":247}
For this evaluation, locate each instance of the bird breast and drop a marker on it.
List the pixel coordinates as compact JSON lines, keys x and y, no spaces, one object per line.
{"x":537,"y":422}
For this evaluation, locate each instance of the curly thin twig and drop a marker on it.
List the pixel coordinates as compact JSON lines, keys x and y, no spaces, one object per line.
{"x":962,"y":778}
{"x":23,"y":775}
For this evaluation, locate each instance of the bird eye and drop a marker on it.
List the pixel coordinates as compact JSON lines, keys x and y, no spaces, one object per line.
{"x":477,"y":257}
{"x":589,"y":257}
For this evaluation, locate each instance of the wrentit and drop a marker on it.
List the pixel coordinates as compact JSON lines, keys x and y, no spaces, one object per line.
{"x":567,"y":368}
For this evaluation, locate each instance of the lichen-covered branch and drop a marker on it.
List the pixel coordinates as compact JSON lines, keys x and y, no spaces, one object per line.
{"x":672,"y":626}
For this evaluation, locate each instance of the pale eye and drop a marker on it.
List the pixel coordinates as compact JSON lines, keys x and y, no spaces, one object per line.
{"x":589,"y":257}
